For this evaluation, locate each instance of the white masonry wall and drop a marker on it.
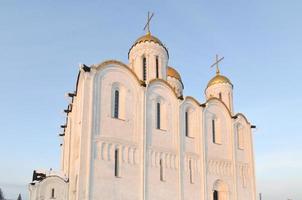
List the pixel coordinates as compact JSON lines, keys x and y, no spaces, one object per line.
{"x":153,"y":164}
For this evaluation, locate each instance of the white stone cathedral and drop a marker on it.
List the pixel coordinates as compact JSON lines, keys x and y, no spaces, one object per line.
{"x":131,"y":135}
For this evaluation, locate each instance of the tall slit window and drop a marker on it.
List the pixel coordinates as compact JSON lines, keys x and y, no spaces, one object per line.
{"x":157,"y":67}
{"x":215,"y":195}
{"x":216,"y":131}
{"x":144,"y":68}
{"x":116,"y":104}
{"x":213,"y":130}
{"x":220,"y":96}
{"x":52,"y":193}
{"x":161,"y":170}
{"x":158,"y":115}
{"x":116,"y":163}
{"x":187,"y":123}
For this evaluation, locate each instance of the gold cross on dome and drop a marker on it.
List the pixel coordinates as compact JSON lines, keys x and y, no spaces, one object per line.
{"x":218,"y":60}
{"x":147,"y":26}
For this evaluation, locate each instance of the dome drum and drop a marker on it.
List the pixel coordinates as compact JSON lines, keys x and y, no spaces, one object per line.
{"x":148,"y":58}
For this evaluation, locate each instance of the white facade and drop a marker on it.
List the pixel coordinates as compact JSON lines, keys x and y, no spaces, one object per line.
{"x":131,"y":135}
{"x":53,"y":186}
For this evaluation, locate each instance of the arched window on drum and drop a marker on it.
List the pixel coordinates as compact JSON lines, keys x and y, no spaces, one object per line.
{"x":144,"y":68}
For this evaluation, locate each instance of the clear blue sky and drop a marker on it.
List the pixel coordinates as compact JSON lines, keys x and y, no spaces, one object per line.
{"x":42,"y":43}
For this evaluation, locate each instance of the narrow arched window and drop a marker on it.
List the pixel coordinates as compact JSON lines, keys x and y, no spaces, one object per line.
{"x":144,"y":68}
{"x":220,"y":96}
{"x":187,"y":123}
{"x":52,"y":193}
{"x":157,"y":67}
{"x":158,"y":115}
{"x":213,"y":131}
{"x":216,"y":131}
{"x":116,"y":163}
{"x":215,"y":195}
{"x":116,"y":104}
{"x":161,"y":170}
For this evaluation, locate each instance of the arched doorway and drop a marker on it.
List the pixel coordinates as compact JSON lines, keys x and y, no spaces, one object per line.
{"x":220,"y":190}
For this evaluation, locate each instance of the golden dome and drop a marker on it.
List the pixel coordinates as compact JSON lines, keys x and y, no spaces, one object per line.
{"x":173,"y":73}
{"x":148,"y":38}
{"x":219,"y":79}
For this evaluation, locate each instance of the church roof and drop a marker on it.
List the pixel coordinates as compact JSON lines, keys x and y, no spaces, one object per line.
{"x":148,"y":38}
{"x":219,"y":79}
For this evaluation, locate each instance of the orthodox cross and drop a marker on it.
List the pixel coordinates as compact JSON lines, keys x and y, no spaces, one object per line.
{"x":147,"y":26}
{"x":216,"y":63}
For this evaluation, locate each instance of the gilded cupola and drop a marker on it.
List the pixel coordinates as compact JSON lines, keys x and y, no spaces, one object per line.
{"x":219,"y":79}
{"x":220,"y":87}
{"x":148,"y":38}
{"x":174,"y":79}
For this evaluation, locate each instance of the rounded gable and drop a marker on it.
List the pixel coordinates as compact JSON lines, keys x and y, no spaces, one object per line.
{"x":220,"y":102}
{"x":243,"y":117}
{"x":113,"y":63}
{"x":163,"y":83}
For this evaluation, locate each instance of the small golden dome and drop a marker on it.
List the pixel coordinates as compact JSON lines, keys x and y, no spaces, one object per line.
{"x":173,"y":73}
{"x":148,"y":38}
{"x":219,"y":79}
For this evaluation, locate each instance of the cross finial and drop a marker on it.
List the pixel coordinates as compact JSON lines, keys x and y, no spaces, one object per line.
{"x":216,"y":63}
{"x":147,"y":26}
